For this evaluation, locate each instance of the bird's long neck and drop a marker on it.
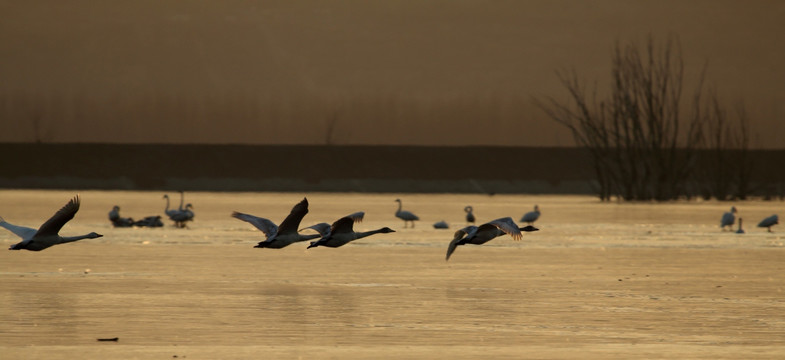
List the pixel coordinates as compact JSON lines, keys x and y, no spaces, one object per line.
{"x":67,"y":239}
{"x":400,"y":206}
{"x":167,"y":204}
{"x":359,"y":235}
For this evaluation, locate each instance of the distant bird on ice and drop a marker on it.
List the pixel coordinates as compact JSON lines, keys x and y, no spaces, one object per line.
{"x":728,"y":219}
{"x":279,"y":236}
{"x":117,"y":221}
{"x":740,"y":230}
{"x":441,"y":225}
{"x":469,"y":215}
{"x":406,"y":216}
{"x":486,"y":232}
{"x":48,"y":234}
{"x":531,"y":216}
{"x":341,"y":233}
{"x":769,"y":222}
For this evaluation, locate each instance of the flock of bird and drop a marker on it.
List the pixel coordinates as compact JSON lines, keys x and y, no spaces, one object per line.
{"x":729,"y":218}
{"x":337,"y":234}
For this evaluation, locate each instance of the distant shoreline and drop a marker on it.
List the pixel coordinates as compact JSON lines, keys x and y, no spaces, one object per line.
{"x":355,"y":168}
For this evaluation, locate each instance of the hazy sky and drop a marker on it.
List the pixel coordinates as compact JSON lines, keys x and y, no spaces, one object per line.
{"x":354,"y":72}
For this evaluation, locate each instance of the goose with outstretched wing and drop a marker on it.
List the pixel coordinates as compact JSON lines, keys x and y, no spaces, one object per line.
{"x":48,"y":234}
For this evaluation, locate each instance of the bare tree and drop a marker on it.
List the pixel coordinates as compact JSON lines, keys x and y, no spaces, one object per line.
{"x":642,"y":146}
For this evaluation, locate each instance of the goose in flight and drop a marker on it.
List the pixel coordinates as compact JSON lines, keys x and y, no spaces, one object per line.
{"x":406,"y":216}
{"x":324,"y":228}
{"x":341,"y":233}
{"x":769,"y":222}
{"x":478,"y":235}
{"x":728,"y":218}
{"x":279,"y":236}
{"x":469,"y":215}
{"x":48,"y":234}
{"x":531,"y":216}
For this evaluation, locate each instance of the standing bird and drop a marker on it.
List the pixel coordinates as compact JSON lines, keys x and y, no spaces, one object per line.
{"x":48,"y":234}
{"x":183,"y":216}
{"x":486,"y":232}
{"x":531,"y":216}
{"x":728,"y":219}
{"x":469,"y":215}
{"x":740,"y":230}
{"x":404,"y":215}
{"x":279,"y":236}
{"x":341,"y":233}
{"x":769,"y":222}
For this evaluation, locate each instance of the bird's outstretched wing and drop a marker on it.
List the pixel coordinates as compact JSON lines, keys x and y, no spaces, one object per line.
{"x":451,"y":247}
{"x":266,"y":226}
{"x":508,"y":226}
{"x":322,"y":228}
{"x":468,"y":231}
{"x":62,"y":216}
{"x":342,"y":225}
{"x":23,"y":232}
{"x":357,"y":217}
{"x":292,"y":221}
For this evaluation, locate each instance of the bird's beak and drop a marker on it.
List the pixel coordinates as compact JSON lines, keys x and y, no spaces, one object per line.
{"x":100,"y":235}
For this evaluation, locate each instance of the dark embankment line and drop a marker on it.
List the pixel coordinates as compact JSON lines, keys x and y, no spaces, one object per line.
{"x":311,"y":168}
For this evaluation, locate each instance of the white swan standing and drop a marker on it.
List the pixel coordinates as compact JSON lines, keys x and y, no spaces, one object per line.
{"x":48,"y":234}
{"x":469,"y":214}
{"x":279,"y":236}
{"x":406,"y":216}
{"x":341,"y":233}
{"x":531,"y":216}
{"x":769,"y":222}
{"x":728,"y":219}
{"x":181,"y":215}
{"x":478,"y":235}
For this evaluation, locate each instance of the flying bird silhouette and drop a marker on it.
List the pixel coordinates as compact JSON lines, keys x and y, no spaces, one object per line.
{"x":478,"y":235}
{"x":48,"y":234}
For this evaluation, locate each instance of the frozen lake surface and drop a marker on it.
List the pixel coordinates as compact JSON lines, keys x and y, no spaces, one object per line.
{"x":601,"y":280}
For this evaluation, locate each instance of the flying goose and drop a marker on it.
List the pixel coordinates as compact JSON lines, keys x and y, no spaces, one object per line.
{"x":478,"y":235}
{"x":341,"y":233}
{"x":279,"y":236}
{"x":324,"y":228}
{"x":404,"y":215}
{"x":48,"y":234}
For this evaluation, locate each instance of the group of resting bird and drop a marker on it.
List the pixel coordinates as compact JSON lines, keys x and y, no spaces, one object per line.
{"x":180,"y":216}
{"x":729,"y":218}
{"x":340,"y":233}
